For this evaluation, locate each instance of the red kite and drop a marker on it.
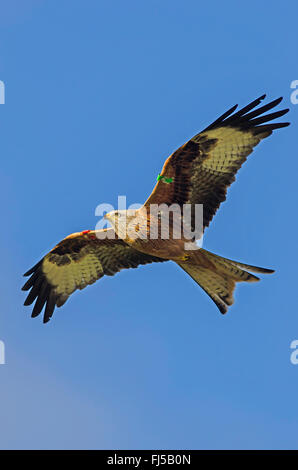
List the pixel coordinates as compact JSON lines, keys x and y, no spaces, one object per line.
{"x":199,"y":172}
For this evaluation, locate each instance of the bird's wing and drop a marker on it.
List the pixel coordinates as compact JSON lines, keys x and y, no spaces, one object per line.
{"x":78,"y":260}
{"x":202,"y":169}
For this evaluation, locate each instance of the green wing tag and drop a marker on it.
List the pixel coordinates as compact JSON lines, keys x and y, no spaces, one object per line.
{"x":164,"y":179}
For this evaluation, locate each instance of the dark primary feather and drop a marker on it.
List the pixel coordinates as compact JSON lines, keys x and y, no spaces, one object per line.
{"x":243,"y":118}
{"x":83,"y":259}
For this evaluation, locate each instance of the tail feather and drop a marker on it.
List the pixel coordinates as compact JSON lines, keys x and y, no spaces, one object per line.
{"x":218,"y":276}
{"x":227,"y":261}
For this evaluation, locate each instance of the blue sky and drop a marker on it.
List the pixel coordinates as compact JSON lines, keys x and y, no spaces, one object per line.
{"x":98,"y":94}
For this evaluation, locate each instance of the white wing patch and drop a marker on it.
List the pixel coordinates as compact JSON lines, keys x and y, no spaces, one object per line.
{"x":232,"y":147}
{"x":77,"y":274}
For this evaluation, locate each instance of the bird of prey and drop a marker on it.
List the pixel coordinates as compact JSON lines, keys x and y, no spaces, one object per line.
{"x":199,"y":172}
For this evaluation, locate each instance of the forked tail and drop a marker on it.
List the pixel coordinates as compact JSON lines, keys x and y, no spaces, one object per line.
{"x":218,"y":276}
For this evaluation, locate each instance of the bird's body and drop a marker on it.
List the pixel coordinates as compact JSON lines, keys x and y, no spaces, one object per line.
{"x":196,"y":174}
{"x":151,"y":234}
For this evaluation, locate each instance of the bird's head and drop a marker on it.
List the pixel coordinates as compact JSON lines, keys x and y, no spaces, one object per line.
{"x":114,"y":216}
{"x":119,"y":220}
